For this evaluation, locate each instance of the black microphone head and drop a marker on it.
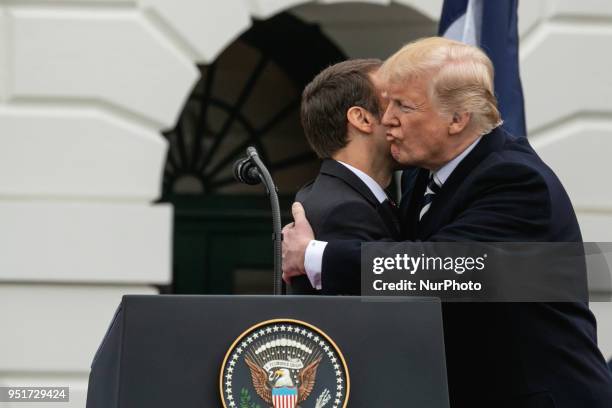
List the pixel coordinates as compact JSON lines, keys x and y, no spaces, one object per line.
{"x":246,"y":172}
{"x":251,"y":174}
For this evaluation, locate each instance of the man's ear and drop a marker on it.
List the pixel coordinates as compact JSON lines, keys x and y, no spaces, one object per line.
{"x":360,"y":119}
{"x":459,"y":121}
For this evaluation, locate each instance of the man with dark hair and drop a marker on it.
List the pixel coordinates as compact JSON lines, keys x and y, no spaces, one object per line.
{"x":341,"y":113}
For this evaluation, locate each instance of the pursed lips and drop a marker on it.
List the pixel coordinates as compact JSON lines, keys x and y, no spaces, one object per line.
{"x":391,"y":137}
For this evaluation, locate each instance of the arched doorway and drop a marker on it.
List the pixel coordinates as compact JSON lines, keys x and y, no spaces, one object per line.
{"x":249,"y":95}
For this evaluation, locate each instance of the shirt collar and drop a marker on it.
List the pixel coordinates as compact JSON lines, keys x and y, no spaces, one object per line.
{"x":445,"y":171}
{"x":376,"y":189}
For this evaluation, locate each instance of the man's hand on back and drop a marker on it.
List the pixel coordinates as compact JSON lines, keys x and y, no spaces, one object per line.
{"x":296,"y":237}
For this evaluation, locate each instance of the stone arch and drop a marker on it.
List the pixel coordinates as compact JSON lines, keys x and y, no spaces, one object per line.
{"x":197,"y":178}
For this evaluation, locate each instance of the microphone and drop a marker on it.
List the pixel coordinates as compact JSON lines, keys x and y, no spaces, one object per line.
{"x":251,"y":170}
{"x":246,"y":171}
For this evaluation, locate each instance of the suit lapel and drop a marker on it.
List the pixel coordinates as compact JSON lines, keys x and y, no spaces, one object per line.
{"x":338,"y":170}
{"x":390,"y":217}
{"x":442,"y":205}
{"x":412,"y":200}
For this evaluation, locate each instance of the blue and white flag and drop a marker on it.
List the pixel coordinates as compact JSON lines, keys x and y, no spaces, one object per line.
{"x":492,"y":25}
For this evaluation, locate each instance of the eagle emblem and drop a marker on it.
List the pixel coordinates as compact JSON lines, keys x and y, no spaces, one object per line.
{"x":284,"y":364}
{"x":278,"y":388}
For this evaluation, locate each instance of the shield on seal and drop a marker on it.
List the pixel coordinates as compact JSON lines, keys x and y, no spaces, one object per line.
{"x":284,"y":397}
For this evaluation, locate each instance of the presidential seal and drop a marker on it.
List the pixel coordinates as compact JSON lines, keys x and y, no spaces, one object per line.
{"x":284,"y":363}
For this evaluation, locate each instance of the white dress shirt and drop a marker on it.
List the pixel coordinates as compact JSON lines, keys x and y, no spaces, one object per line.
{"x":314,"y":252}
{"x":313,"y":258}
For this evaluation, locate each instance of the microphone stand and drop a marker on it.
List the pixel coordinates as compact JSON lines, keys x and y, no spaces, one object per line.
{"x":277,"y":236}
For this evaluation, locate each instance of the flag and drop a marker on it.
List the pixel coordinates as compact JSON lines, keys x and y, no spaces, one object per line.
{"x":492,"y":25}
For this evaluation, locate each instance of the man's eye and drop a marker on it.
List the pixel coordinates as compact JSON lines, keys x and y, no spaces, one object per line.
{"x":405,"y":108}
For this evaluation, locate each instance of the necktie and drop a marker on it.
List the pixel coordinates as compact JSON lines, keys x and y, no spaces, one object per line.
{"x":433,"y":188}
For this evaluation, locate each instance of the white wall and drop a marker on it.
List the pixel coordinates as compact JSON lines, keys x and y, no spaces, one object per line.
{"x":86,"y":86}
{"x":565,"y":73}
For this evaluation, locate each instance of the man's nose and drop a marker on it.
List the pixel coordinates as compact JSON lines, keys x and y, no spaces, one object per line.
{"x":389,"y":119}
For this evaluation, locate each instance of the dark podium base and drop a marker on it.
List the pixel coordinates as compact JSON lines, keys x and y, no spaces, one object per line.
{"x":167,"y":351}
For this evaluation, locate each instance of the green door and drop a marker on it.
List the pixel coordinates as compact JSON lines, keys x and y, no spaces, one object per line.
{"x":223,"y":245}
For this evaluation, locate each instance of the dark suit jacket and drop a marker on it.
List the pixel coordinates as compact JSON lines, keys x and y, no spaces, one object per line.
{"x":341,"y":206}
{"x":519,"y":355}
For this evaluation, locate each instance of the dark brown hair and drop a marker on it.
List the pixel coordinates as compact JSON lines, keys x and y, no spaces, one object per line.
{"x":329,"y":96}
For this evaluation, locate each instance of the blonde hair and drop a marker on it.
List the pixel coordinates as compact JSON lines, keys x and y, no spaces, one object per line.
{"x":461,"y":77}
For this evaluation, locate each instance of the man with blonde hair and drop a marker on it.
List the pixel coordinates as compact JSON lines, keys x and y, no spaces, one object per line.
{"x":450,"y":100}
{"x":475,"y":183}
